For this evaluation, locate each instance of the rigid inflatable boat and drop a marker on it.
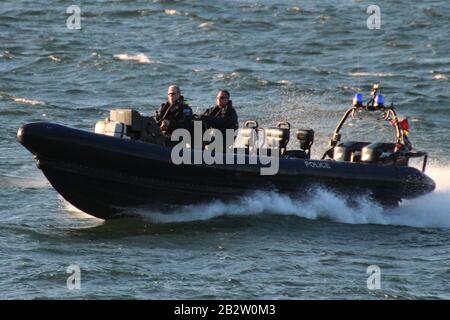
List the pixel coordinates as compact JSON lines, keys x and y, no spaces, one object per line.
{"x":126,"y":164}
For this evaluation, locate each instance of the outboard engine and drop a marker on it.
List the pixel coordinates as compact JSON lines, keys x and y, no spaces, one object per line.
{"x":306,"y":139}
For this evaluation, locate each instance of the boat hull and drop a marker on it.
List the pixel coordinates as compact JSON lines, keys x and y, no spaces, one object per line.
{"x":107,"y":177}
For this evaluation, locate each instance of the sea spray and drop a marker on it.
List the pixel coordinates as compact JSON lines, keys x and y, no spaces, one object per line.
{"x":429,"y":211}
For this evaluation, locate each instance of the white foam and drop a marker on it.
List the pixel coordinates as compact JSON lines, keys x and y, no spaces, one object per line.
{"x":432,"y":210}
{"x":74,"y":211}
{"x":24,"y":182}
{"x":6,"y":55}
{"x":324,"y":204}
{"x":440,"y":77}
{"x":54,"y":58}
{"x":371,"y":74}
{"x":295,"y":9}
{"x":283,"y":82}
{"x":171,"y":12}
{"x":140,"y":58}
{"x":228,"y":76}
{"x":429,"y":211}
{"x":208,"y":24}
{"x":29,"y":101}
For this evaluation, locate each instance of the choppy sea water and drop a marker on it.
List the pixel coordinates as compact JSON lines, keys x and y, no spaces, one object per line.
{"x":299,"y":61}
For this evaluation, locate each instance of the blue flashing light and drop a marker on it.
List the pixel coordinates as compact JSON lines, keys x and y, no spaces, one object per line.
{"x":358,"y":99}
{"x":379,"y":100}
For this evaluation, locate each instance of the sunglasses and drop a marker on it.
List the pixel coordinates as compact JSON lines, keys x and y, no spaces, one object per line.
{"x":222,"y":98}
{"x":172,"y":93}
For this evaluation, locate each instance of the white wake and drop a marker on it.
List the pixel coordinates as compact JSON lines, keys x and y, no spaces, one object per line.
{"x":429,"y":211}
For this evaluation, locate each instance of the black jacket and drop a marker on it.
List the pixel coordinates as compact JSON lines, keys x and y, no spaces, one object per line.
{"x":179,"y":114}
{"x":221,"y":118}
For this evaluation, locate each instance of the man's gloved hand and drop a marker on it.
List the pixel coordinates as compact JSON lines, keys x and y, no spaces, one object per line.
{"x":164,"y":126}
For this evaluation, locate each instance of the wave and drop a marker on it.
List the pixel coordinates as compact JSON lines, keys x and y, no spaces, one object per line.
{"x":371,"y":74}
{"x":430,"y":211}
{"x":295,"y":10}
{"x":440,"y":77}
{"x":140,"y":58}
{"x":24,"y":182}
{"x":171,"y":12}
{"x":6,"y":55}
{"x":54,"y":58}
{"x":28,"y":101}
{"x":207,"y":24}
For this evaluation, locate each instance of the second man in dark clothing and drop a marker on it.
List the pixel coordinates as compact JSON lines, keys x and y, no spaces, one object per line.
{"x":222,"y":116}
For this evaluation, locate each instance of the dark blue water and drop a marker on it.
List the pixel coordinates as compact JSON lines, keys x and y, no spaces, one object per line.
{"x":300,"y":61}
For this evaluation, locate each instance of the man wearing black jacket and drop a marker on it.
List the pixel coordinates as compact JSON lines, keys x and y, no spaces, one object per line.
{"x":222,"y":116}
{"x":175,"y":113}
